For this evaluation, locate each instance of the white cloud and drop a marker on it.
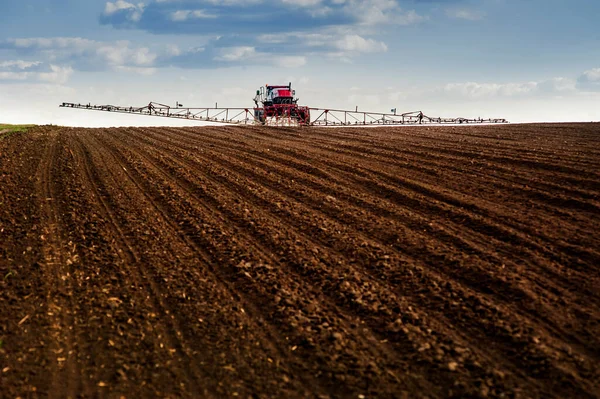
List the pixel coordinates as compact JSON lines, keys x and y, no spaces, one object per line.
{"x":290,"y":61}
{"x":592,"y":75}
{"x":589,"y":80}
{"x":339,"y":56}
{"x":321,"y":11}
{"x":409,"y":18}
{"x":557,"y":86}
{"x":315,"y":8}
{"x":356,"y":43}
{"x":42,"y":43}
{"x":302,"y":3}
{"x":372,"y":12}
{"x":137,"y":70}
{"x":19,"y":64}
{"x":6,"y":75}
{"x":273,"y":39}
{"x":551,"y":88}
{"x":173,"y":50}
{"x":134,"y":11}
{"x":142,"y":56}
{"x":180,"y":15}
{"x":240,"y":53}
{"x":230,"y":2}
{"x":79,"y":50}
{"x":465,"y":13}
{"x":121,"y":54}
{"x":57,"y":74}
{"x":195,"y":50}
{"x":184,"y":15}
{"x":377,"y":12}
{"x":54,"y":74}
{"x":111,"y":8}
{"x":250,"y":55}
{"x":339,"y":42}
{"x":476,"y":90}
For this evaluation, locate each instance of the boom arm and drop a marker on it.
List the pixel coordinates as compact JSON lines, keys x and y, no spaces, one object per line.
{"x":247,"y":116}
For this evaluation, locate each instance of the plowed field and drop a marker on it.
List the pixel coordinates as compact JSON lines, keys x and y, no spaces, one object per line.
{"x":262,"y":262}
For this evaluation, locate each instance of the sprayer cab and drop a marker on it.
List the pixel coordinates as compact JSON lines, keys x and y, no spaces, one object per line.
{"x":278,"y":102}
{"x":274,"y":95}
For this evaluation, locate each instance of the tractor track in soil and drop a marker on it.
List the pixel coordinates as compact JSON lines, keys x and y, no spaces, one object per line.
{"x":266,"y":262}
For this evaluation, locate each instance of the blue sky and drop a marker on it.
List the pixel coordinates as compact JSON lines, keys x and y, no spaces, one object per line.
{"x":528,"y":60}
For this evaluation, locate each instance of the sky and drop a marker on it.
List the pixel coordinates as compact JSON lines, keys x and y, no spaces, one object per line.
{"x":525,"y":60}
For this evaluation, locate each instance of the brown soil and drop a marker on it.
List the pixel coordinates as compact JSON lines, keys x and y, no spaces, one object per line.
{"x":256,"y":262}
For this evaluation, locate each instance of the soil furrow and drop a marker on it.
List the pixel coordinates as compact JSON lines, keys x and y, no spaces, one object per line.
{"x":188,"y":232}
{"x":262,"y":246}
{"x":134,"y":273}
{"x":244,"y":307}
{"x":65,"y":379}
{"x":499,"y":260}
{"x":230,"y":183}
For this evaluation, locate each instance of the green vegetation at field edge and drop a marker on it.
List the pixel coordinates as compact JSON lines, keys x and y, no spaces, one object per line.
{"x":7,"y":130}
